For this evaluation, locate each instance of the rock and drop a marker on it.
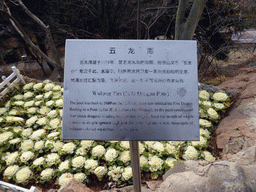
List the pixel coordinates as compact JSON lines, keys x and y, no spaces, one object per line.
{"x":153,"y":185}
{"x":184,"y":182}
{"x":74,"y":186}
{"x":235,"y":174}
{"x":127,"y":189}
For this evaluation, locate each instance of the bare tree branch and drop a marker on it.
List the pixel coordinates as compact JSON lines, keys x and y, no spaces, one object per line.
{"x":32,"y":45}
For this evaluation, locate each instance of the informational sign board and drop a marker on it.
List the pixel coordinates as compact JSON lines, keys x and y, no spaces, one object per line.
{"x":130,"y":90}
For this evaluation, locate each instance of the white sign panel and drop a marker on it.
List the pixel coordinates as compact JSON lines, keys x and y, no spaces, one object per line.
{"x":130,"y":90}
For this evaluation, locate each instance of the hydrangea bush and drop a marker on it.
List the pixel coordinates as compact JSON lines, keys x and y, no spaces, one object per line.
{"x":31,"y":147}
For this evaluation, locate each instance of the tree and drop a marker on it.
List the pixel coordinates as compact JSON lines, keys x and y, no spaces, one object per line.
{"x":185,"y":27}
{"x":56,"y":62}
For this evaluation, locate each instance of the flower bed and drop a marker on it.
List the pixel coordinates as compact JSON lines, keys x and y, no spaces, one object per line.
{"x":31,"y":147}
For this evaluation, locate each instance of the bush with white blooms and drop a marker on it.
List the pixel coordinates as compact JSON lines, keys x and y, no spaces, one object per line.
{"x":32,"y":149}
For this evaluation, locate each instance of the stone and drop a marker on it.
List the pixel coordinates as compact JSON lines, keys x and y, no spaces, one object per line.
{"x":153,"y":185}
{"x":235,"y":174}
{"x":127,"y":189}
{"x":184,"y":182}
{"x":179,"y":167}
{"x":74,"y":186}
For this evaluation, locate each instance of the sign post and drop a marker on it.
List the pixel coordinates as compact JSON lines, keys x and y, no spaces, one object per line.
{"x":133,"y":90}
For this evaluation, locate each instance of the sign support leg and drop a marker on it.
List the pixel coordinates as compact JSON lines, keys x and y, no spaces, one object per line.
{"x":135,"y":159}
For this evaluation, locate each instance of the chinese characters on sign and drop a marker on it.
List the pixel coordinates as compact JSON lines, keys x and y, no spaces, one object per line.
{"x":130,"y":90}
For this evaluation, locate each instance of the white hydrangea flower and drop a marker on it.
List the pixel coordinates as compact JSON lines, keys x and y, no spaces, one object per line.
{"x":52,"y":158}
{"x":57,"y":88}
{"x":155,"y":164}
{"x":212,"y":113}
{"x":64,"y":165}
{"x":10,"y":171}
{"x":49,"y":86}
{"x":26,"y":132}
{"x":32,"y":110}
{"x":69,"y":148}
{"x":44,"y":110}
{"x":49,"y":103}
{"x":201,"y":143}
{"x":170,"y":162}
{"x":125,"y":144}
{"x":56,"y":95}
{"x":49,"y":142}
{"x":26,"y":145}
{"x":53,"y":135}
{"x":171,"y":149}
{"x":64,"y":178}
{"x":23,"y":175}
{"x":29,"y":104}
{"x":61,"y":112}
{"x":125,"y":156}
{"x":80,"y":177}
{"x":141,"y":148}
{"x":18,"y":97}
{"x":219,"y":105}
{"x":158,"y":146}
{"x":208,"y":156}
{"x":205,"y":132}
{"x":190,"y":153}
{"x":37,"y":103}
{"x":149,"y":144}
{"x":87,"y":143}
{"x":39,"y":97}
{"x":78,"y":162}
{"x":17,"y":119}
{"x":127,"y":174}
{"x":100,"y":171}
{"x":11,"y":158}
{"x":98,"y":151}
{"x":37,"y":134}
{"x":8,"y":104}
{"x":13,"y":112}
{"x":55,"y":123}
{"x":5,"y":136}
{"x":204,"y":95}
{"x":57,"y":146}
{"x":39,"y":161}
{"x":28,"y":95}
{"x":47,"y":174}
{"x":28,"y":86}
{"x":220,"y":96}
{"x":39,"y":145}
{"x":42,"y":121}
{"x":205,"y":123}
{"x":2,"y":110}
{"x":207,"y":103}
{"x":14,"y":141}
{"x":38,"y":86}
{"x":143,"y":160}
{"x":1,"y":119}
{"x":26,"y":156}
{"x":17,"y":129}
{"x":115,"y":172}
{"x":59,"y":103}
{"x":111,"y":154}
{"x":47,"y":94}
{"x":52,"y":114}
{"x":91,"y":164}
{"x":81,"y":151}
{"x":31,"y":121}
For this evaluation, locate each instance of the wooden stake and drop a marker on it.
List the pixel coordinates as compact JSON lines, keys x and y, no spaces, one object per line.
{"x":135,"y":158}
